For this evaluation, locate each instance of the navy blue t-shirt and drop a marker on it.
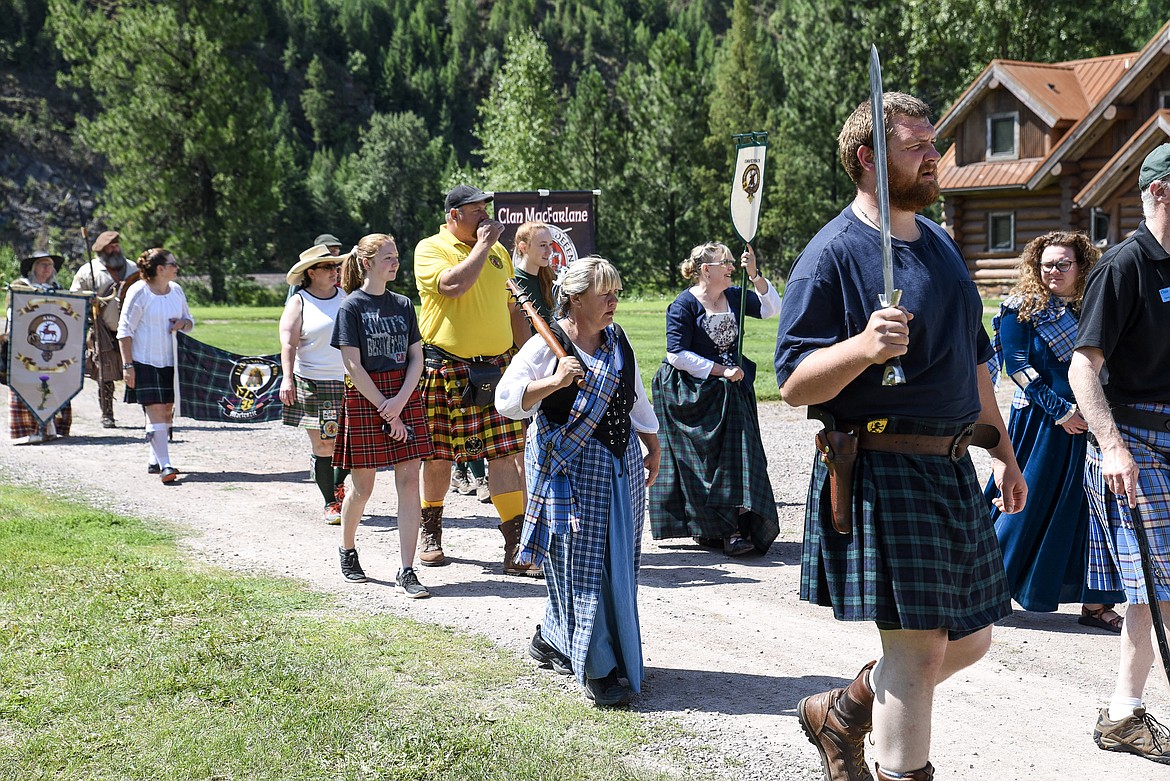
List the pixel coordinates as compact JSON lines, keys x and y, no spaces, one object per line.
{"x":834,"y":288}
{"x":381,"y":327}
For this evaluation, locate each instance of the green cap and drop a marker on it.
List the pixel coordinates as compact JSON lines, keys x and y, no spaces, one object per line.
{"x":1156,"y":167}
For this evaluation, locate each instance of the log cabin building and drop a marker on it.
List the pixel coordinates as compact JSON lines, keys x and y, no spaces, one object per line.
{"x":1040,"y":147}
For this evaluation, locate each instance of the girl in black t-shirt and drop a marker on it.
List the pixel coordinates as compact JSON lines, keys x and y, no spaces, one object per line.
{"x":384,"y":422}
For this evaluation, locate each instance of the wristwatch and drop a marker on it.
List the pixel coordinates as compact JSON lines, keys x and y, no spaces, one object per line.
{"x":757,"y":276}
{"x":126,"y":366}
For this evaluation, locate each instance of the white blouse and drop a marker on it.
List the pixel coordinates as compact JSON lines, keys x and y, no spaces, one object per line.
{"x":146,"y":319}
{"x":536,"y":361}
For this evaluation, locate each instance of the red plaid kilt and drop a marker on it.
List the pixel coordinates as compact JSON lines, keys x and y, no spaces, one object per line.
{"x":465,"y":433}
{"x":22,"y":423}
{"x":361,"y":443}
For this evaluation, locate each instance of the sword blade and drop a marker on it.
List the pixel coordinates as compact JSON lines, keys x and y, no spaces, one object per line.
{"x":882,"y":170}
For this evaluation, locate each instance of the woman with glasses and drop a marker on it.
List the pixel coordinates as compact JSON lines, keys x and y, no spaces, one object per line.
{"x":714,"y":484}
{"x":312,"y":385}
{"x":154,"y":309}
{"x":1045,"y":546}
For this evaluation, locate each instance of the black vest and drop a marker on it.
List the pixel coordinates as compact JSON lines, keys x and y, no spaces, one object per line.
{"x":613,"y":430}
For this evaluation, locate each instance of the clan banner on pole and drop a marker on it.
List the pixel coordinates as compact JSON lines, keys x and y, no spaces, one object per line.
{"x":571,"y":216}
{"x":46,"y":349}
{"x":224,"y":387}
{"x":746,"y":195}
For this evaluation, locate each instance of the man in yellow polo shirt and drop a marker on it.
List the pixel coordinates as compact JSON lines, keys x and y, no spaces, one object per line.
{"x":467,"y":324}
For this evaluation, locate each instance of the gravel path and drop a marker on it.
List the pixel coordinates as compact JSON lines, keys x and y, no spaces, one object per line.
{"x":729,"y":648}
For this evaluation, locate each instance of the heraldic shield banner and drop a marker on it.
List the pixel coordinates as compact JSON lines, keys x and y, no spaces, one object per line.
{"x":224,"y":387}
{"x":748,"y":183}
{"x":46,"y":349}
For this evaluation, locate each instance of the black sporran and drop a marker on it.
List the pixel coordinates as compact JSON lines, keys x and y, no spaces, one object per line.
{"x":481,"y":389}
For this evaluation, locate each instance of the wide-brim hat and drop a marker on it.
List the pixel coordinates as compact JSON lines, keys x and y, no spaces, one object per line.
{"x":463,"y":194}
{"x":26,"y":264}
{"x":309,"y":258}
{"x":328,"y":239}
{"x":105,"y":239}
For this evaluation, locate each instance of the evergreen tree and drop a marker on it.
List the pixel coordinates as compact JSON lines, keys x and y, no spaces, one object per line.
{"x":517,"y":128}
{"x":184,"y":122}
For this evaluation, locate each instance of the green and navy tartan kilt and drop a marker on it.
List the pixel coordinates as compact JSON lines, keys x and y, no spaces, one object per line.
{"x":152,"y":385}
{"x":713,"y":461}
{"x":923,"y":552}
{"x":465,"y":433}
{"x":361,"y":443}
{"x":305,"y":412}
{"x":22,"y":423}
{"x":1113,"y":550}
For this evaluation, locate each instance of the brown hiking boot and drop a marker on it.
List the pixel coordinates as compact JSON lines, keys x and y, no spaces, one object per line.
{"x":921,"y":774}
{"x":836,"y":722}
{"x":511,"y":531}
{"x":431,"y":538}
{"x":1139,"y":734}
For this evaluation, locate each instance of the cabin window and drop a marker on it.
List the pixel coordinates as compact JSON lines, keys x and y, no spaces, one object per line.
{"x":1099,"y":230}
{"x":1003,"y":136}
{"x":1001,"y":232}
{"x":1164,"y":99}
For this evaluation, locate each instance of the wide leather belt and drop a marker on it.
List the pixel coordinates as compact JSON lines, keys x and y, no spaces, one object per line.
{"x":977,"y":434}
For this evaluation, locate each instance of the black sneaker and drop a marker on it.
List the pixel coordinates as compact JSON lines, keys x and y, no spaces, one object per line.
{"x":540,"y":650}
{"x":607,"y":692}
{"x":407,"y":582}
{"x":351,"y":570}
{"x":154,"y":469}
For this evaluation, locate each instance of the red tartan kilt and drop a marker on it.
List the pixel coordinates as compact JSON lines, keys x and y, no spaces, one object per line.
{"x":361,"y":443}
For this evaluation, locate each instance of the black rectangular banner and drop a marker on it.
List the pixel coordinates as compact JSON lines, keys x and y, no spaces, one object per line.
{"x":571,"y":216}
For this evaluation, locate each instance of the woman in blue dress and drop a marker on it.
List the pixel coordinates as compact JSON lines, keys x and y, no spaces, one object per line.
{"x":1045,"y":545}
{"x":587,"y":480}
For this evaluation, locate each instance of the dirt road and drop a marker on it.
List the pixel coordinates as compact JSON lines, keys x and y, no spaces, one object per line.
{"x":729,"y":648}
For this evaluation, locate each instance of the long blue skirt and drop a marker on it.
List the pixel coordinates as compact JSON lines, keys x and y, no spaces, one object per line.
{"x":1045,"y":546}
{"x":592,"y":610}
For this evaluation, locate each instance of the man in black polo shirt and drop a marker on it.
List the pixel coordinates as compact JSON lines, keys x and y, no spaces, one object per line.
{"x":1125,"y":320}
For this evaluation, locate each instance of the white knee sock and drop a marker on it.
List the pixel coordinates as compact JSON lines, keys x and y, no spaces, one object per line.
{"x":1123,"y":707}
{"x":156,"y":436}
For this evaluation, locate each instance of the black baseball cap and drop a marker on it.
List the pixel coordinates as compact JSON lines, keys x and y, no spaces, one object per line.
{"x":463,"y":194}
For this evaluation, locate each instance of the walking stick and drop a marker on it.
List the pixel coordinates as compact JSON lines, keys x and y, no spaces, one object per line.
{"x":1143,"y":543}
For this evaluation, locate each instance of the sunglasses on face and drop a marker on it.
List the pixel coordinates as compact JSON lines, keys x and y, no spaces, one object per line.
{"x":728,"y":263}
{"x":1061,"y":266}
{"x":329,"y":266}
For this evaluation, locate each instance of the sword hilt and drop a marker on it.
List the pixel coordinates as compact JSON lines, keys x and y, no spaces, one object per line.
{"x":892,"y":373}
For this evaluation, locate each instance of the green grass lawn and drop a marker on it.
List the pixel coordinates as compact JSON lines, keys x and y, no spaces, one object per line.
{"x":253,"y":331}
{"x":123,"y":660}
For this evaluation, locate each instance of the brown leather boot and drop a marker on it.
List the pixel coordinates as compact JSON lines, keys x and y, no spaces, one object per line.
{"x":836,"y":722}
{"x":511,"y":531}
{"x":921,"y":774}
{"x":431,"y":538}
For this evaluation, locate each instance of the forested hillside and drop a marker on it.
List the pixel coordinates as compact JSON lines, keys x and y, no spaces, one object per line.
{"x":234,"y":132}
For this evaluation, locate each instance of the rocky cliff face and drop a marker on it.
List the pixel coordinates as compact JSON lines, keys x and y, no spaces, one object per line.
{"x":49,"y":184}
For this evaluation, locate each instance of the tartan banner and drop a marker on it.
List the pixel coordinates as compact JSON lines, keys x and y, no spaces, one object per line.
{"x":46,"y":349}
{"x":221,"y":386}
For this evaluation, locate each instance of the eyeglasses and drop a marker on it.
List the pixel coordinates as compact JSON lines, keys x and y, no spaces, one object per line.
{"x":174,"y":263}
{"x":1061,"y":266}
{"x":728,"y":263}
{"x":330,"y":266}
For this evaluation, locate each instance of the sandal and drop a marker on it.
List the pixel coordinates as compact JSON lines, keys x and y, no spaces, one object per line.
{"x":1096,"y":619}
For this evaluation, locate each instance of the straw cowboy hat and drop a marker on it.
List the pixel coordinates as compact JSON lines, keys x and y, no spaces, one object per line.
{"x":309,"y":258}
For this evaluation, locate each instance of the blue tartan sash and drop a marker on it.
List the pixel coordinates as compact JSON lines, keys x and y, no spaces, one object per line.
{"x":1054,"y":323}
{"x":552,"y":506}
